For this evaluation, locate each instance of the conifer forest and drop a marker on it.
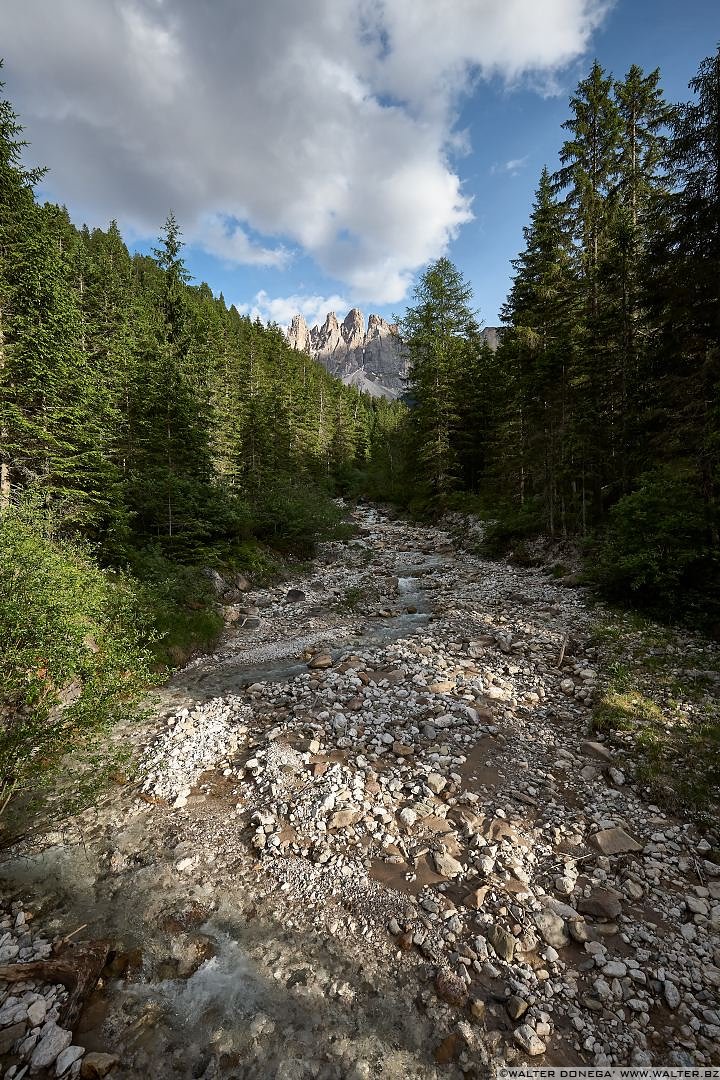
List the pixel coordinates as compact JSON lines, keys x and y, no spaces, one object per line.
{"x":355,"y":737}
{"x":149,"y":431}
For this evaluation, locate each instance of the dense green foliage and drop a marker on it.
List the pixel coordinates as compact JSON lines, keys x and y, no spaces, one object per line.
{"x":147,"y":431}
{"x":74,"y":644}
{"x":599,"y":416}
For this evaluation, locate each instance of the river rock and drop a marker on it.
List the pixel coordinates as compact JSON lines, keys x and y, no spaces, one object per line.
{"x":36,"y":1012}
{"x":10,"y":1035}
{"x":436,"y":782}
{"x":596,"y":750}
{"x":342,"y":818}
{"x":66,"y":1059}
{"x":446,"y":865}
{"x":97,"y":1065}
{"x":529,"y":1041}
{"x":52,"y":1043}
{"x":552,"y":929}
{"x":516,"y":1007}
{"x":614,"y":842}
{"x":602,"y":903}
{"x":502,"y":941}
{"x":320,"y":661}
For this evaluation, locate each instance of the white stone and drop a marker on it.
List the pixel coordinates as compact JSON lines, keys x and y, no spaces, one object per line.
{"x":67,"y":1057}
{"x":52,"y":1043}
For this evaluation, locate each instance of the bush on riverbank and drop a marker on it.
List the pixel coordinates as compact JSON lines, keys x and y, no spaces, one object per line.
{"x":75,"y":648}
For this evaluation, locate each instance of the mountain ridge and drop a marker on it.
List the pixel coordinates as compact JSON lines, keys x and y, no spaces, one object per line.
{"x":373,"y":359}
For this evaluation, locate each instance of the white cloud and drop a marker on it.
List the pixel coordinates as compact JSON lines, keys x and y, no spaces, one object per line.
{"x":280,"y":309}
{"x":225,"y":238}
{"x":323,"y":126}
{"x":513,"y":166}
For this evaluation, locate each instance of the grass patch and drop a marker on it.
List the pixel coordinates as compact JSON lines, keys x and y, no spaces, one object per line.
{"x":625,"y":711}
{"x":660,"y":703}
{"x":351,"y":598}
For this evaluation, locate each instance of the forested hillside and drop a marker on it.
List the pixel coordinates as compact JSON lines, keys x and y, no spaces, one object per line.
{"x":148,"y":432}
{"x":599,"y":416}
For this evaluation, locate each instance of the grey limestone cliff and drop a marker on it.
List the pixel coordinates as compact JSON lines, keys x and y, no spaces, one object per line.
{"x":372,"y":359}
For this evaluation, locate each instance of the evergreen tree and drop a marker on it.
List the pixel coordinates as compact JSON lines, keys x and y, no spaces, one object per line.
{"x":588,"y":174}
{"x":59,"y":411}
{"x":439,"y":332}
{"x":537,"y":355}
{"x":169,"y":483}
{"x":17,"y":216}
{"x":684,"y":284}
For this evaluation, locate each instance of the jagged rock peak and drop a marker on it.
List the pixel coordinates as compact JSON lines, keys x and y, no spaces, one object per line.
{"x":354,"y":325}
{"x":373,"y":359}
{"x":298,"y":334}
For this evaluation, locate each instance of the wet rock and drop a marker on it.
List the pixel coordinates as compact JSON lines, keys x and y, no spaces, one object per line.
{"x":96,"y":1065}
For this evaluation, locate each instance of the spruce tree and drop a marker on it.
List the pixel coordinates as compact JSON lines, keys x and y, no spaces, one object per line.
{"x":684,"y":286}
{"x":438,"y":332}
{"x":537,"y":355}
{"x":17,"y":217}
{"x":588,"y":175}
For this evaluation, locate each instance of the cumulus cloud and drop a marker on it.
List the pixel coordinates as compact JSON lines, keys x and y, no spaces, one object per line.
{"x":324,"y":127}
{"x":280,"y":309}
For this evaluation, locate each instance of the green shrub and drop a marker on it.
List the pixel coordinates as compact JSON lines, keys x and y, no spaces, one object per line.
{"x":181,"y":606}
{"x":291,"y":517}
{"x":656,"y":547}
{"x":73,"y":644}
{"x":512,"y":527}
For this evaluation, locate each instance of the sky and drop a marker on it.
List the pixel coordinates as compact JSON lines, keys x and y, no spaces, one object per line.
{"x":318,"y":154}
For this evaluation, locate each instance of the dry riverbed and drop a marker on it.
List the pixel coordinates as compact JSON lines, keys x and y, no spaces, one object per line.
{"x":374,"y":836}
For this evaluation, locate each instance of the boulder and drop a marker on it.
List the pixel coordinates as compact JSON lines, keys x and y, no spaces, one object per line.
{"x":614,"y":842}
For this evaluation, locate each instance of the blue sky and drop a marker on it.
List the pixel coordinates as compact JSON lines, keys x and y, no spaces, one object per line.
{"x":319,"y":154}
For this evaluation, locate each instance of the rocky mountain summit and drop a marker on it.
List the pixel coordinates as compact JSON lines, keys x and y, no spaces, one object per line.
{"x":373,"y":360}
